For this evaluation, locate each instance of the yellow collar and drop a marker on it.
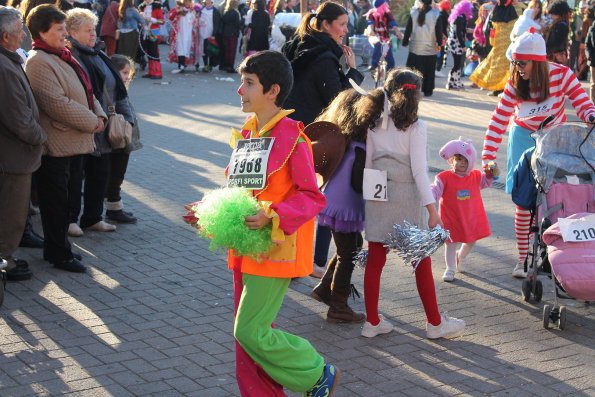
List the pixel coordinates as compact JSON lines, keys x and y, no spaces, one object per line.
{"x":251,"y":123}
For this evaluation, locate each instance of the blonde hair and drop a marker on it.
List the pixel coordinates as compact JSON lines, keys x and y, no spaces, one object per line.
{"x":77,"y":17}
{"x":231,"y":5}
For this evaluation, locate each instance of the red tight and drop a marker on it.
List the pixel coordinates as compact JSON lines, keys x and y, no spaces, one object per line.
{"x":423,"y":278}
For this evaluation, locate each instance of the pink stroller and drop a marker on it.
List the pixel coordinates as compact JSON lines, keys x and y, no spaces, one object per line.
{"x":563,"y":164}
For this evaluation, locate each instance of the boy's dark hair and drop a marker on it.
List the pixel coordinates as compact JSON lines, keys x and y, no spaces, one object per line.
{"x":271,"y":67}
{"x":42,"y":17}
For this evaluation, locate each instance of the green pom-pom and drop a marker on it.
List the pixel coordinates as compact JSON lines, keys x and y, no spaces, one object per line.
{"x":222,"y":220}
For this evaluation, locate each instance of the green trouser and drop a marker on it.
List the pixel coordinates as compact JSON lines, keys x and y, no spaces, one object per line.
{"x":289,"y":360}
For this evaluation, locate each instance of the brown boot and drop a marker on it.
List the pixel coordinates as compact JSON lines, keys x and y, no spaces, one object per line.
{"x":339,"y":311}
{"x":322,"y":292}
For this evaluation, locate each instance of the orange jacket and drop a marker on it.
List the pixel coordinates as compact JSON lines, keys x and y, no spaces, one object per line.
{"x":293,"y":256}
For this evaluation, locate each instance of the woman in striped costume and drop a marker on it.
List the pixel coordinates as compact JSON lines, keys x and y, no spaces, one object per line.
{"x":536,"y":90}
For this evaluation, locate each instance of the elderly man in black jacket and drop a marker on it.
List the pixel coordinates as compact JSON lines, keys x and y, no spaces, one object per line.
{"x":21,"y":142}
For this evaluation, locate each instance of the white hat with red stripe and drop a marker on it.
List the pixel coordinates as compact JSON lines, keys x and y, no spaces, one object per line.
{"x":529,"y":46}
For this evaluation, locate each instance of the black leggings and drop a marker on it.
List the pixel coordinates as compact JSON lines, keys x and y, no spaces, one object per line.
{"x":118,"y":167}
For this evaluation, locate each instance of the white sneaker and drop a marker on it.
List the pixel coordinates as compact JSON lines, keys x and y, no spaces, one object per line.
{"x":74,"y":230}
{"x":519,"y":271}
{"x":180,"y":69}
{"x":383,"y":327}
{"x":449,"y":275}
{"x":449,"y":327}
{"x":440,"y":74}
{"x":102,"y":226}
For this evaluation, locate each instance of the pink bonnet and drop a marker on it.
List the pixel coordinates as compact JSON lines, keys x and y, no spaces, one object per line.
{"x":461,"y":146}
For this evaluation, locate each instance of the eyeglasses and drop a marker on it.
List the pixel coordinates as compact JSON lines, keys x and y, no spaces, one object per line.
{"x":520,"y":64}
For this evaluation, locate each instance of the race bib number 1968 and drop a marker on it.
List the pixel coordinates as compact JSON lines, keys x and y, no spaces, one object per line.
{"x":248,"y":163}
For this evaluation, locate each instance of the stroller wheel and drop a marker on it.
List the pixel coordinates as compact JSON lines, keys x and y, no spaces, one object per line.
{"x":547,"y":310}
{"x":526,"y":290}
{"x":538,"y":291}
{"x":562,"y":318}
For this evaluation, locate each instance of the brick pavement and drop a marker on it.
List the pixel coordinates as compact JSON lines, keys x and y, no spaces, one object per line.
{"x":153,"y":315}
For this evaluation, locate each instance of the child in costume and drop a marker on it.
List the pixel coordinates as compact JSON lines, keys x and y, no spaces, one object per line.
{"x":290,"y":200}
{"x":344,"y":211}
{"x":183,"y":36}
{"x":461,"y":208}
{"x":380,"y":23}
{"x":153,"y":14}
{"x":397,"y":144}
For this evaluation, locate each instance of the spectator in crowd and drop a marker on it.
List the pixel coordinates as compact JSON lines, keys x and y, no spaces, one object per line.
{"x":423,"y":34}
{"x":109,"y":28}
{"x":556,"y":37}
{"x":153,"y":14}
{"x":232,"y":25}
{"x":590,"y":55}
{"x":26,"y":7}
{"x":280,"y":6}
{"x":481,"y":33}
{"x":21,"y":142}
{"x":70,"y":114}
{"x":182,"y":36}
{"x":131,"y":23}
{"x":210,"y":28}
{"x":492,"y":73}
{"x":260,"y":25}
{"x":318,"y":77}
{"x":444,"y":7}
{"x":456,"y":43}
{"x":119,"y":157}
{"x":531,"y":18}
{"x":109,"y":89}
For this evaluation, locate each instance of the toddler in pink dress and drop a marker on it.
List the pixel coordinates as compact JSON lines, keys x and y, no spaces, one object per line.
{"x":460,"y":206}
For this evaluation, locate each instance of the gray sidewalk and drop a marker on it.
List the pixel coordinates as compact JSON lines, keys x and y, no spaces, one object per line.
{"x":153,"y":316}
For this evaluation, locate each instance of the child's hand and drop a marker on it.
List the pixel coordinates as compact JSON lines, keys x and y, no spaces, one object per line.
{"x":434,"y":220}
{"x":257,"y":221}
{"x":491,"y":169}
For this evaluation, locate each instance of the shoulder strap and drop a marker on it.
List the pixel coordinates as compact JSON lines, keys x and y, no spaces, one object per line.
{"x":111,"y":109}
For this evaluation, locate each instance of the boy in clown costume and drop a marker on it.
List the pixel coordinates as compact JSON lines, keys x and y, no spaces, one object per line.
{"x":268,"y":359}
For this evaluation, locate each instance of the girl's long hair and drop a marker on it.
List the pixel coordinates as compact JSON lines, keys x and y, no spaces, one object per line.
{"x":539,"y":82}
{"x":342,"y":111}
{"x":231,"y":5}
{"x":124,"y":5}
{"x":403,"y":100}
{"x":311,"y":22}
{"x":421,"y":17}
{"x":462,"y":8}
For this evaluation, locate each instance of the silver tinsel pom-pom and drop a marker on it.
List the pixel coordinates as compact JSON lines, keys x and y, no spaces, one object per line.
{"x":411,"y":243}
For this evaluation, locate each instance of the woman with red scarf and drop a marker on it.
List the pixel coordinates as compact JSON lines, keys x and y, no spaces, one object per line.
{"x":70,"y":115}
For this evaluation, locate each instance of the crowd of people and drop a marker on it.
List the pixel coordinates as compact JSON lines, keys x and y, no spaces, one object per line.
{"x":57,"y":154}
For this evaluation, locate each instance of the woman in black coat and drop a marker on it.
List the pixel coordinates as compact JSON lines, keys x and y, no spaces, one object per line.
{"x":318,"y":76}
{"x":259,"y":28}
{"x":315,"y":56}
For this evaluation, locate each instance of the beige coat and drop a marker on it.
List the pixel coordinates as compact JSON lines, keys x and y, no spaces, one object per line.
{"x":62,"y":101}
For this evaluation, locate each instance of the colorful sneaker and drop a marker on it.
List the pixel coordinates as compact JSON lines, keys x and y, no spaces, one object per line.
{"x":449,"y":275}
{"x":325,"y":387}
{"x":449,"y":327}
{"x":519,"y":271}
{"x":383,"y":327}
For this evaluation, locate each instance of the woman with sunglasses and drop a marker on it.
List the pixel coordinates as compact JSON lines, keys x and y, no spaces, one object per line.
{"x":536,"y":90}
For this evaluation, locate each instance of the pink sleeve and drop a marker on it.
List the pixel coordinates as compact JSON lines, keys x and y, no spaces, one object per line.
{"x":485,"y":181}
{"x":437,"y":188}
{"x":307,"y":201}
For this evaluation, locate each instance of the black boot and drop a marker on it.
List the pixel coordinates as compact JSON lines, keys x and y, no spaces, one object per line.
{"x":20,"y":272}
{"x":30,"y":239}
{"x":339,"y":311}
{"x":322,"y":292}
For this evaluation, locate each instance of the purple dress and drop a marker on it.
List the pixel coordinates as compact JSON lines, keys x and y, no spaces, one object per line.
{"x":344,"y":211}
